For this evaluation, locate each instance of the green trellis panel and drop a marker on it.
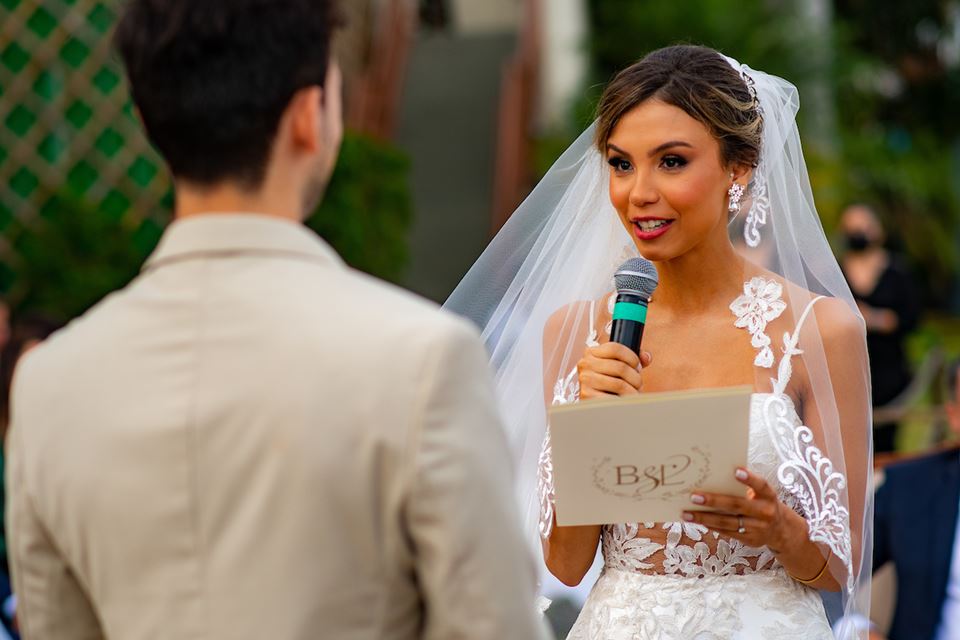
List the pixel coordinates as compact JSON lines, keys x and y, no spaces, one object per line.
{"x":65,"y":120}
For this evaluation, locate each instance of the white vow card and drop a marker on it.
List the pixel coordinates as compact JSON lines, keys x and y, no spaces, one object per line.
{"x":638,"y":459}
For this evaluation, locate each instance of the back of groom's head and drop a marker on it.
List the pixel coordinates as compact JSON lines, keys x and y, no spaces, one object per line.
{"x":212,"y":79}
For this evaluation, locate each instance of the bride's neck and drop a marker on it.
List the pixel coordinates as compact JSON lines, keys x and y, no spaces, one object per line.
{"x":700,"y":280}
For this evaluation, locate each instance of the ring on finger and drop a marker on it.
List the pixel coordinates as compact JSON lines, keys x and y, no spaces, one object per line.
{"x":740,"y":528}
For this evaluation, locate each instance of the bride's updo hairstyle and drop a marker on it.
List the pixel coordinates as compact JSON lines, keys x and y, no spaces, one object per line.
{"x":697,"y":80}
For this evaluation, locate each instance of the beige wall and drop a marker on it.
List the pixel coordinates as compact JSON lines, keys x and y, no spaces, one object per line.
{"x":563,"y":59}
{"x":486,"y":16}
{"x":352,"y":43}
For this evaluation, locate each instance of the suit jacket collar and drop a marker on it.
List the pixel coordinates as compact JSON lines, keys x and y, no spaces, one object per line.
{"x":214,"y":235}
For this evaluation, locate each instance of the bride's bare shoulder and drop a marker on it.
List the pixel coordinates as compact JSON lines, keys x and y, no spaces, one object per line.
{"x":835,"y":318}
{"x":576,"y":320}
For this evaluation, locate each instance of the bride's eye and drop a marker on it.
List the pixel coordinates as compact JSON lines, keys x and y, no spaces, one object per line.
{"x":619,"y":164}
{"x":673,"y":162}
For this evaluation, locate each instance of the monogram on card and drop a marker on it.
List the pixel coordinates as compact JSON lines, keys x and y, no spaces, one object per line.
{"x":638,"y":459}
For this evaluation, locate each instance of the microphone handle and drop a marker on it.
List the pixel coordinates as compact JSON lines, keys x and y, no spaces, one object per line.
{"x":629,"y":319}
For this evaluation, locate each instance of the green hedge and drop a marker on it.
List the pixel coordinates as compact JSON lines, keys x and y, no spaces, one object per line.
{"x":368,"y":208}
{"x":72,"y":254}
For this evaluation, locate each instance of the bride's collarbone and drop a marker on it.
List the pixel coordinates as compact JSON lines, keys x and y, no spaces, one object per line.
{"x":694,"y":357}
{"x":711,"y":338}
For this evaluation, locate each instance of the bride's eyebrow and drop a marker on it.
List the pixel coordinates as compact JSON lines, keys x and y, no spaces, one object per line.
{"x":659,"y":149}
{"x":615,"y":148}
{"x":669,"y":145}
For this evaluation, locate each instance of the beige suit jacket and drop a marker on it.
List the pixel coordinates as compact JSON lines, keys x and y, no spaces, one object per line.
{"x":253,"y":441}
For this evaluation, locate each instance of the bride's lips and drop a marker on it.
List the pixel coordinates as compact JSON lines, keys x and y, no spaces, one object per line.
{"x":649,"y":228}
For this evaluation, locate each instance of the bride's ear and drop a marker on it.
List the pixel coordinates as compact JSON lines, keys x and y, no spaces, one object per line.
{"x":741,"y":173}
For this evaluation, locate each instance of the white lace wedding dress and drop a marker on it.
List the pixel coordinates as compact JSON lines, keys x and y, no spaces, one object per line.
{"x":677,"y":580}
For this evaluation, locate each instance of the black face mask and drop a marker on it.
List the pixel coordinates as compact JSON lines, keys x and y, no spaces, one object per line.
{"x":857,"y":241}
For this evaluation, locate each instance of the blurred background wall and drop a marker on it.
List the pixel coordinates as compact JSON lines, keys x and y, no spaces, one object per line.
{"x":448,"y":125}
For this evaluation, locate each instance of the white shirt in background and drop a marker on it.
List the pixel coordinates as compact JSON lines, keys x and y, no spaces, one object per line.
{"x":949,"y":627}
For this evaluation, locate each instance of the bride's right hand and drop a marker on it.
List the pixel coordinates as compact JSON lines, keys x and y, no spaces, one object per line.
{"x":611,"y":369}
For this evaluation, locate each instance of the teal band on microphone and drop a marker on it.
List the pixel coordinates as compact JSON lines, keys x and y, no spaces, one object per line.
{"x":630,"y":311}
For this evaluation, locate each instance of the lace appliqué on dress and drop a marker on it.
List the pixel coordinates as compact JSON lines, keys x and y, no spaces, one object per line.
{"x":731,"y":557}
{"x":769,"y":605}
{"x":623,"y":550}
{"x":687,"y":551}
{"x":760,"y":303}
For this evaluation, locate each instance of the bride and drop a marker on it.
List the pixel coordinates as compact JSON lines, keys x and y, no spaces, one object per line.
{"x":694,"y":163}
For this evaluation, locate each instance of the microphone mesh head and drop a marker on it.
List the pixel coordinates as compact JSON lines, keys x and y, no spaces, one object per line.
{"x":637,"y":275}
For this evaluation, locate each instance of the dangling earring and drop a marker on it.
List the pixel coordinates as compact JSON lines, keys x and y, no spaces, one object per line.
{"x":735,"y":193}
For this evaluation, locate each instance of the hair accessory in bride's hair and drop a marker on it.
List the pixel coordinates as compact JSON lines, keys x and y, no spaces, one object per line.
{"x":751,"y":87}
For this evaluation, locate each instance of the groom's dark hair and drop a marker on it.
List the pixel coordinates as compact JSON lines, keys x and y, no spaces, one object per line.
{"x":212,"y":78}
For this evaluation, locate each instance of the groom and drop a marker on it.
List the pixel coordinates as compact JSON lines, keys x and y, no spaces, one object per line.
{"x":251,"y":440}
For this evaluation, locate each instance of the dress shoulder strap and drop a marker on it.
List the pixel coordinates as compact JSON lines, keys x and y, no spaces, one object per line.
{"x":592,"y":337}
{"x":790,"y":349}
{"x":806,"y":312}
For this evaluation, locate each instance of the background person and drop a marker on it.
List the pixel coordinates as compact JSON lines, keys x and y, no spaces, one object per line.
{"x":887,"y":297}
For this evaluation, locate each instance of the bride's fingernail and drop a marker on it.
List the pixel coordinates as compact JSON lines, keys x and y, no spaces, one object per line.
{"x":741,"y":474}
{"x":696,"y":498}
{"x":687,"y":516}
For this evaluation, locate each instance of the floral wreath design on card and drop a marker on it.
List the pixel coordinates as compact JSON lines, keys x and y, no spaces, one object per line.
{"x":654,"y":477}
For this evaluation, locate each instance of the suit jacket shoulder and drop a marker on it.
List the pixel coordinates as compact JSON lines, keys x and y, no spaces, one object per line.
{"x":904,"y":475}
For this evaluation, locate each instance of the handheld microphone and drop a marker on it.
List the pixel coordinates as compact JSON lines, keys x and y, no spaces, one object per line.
{"x":635,"y":279}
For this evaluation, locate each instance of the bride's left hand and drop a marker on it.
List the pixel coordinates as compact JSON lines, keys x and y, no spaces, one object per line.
{"x":761,"y":516}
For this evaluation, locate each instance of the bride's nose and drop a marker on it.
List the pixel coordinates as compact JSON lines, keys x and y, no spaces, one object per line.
{"x":643,"y":191}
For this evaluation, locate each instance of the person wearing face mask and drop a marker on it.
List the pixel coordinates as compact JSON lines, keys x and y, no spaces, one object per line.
{"x":886,"y":295}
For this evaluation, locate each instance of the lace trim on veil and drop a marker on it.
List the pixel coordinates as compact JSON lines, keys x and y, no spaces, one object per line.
{"x":804,"y":472}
